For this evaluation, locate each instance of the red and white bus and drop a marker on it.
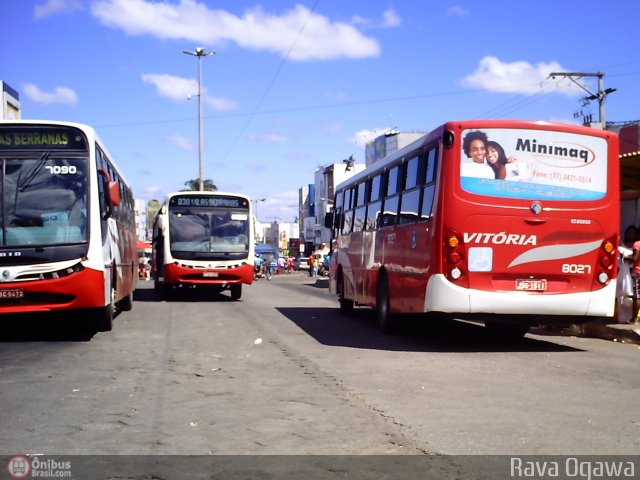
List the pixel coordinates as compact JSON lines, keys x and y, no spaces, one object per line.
{"x":68,"y":238}
{"x":205,"y":240}
{"x":434,"y":227}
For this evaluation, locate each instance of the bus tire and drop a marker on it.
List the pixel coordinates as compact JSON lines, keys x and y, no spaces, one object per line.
{"x":104,"y":315}
{"x":236,"y":291}
{"x":346,"y":305}
{"x":126,"y":304}
{"x":386,"y":321}
{"x":506,"y":331}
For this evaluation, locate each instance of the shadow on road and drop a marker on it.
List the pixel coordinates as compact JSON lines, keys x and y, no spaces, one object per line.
{"x":46,"y":327}
{"x":414,"y":334}
{"x":148,"y":294}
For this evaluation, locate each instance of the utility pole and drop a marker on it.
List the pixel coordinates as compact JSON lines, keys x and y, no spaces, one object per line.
{"x":600,"y":96}
{"x":199,"y":52}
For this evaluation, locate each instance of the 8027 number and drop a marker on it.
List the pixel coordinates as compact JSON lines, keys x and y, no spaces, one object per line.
{"x":576,"y":268}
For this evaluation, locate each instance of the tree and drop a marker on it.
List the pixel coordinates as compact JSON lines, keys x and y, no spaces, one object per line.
{"x":207,"y":185}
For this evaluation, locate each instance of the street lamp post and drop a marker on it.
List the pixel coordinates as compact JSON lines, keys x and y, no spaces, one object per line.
{"x":256,"y":209}
{"x":199,"y":52}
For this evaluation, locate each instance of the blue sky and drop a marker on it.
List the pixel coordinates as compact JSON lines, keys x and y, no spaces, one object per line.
{"x":293,"y":86}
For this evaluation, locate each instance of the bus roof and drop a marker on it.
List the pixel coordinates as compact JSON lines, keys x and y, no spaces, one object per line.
{"x":459,"y":125}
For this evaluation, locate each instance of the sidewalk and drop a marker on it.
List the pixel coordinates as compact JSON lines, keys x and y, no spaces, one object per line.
{"x":616,"y":332}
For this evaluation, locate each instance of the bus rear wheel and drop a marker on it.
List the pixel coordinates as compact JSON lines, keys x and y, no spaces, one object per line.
{"x":126,"y":304}
{"x":236,"y":291}
{"x":386,"y":320}
{"x":506,"y":331}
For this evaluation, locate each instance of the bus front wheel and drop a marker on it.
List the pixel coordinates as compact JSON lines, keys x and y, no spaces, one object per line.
{"x":346,"y":305}
{"x":104,"y":315}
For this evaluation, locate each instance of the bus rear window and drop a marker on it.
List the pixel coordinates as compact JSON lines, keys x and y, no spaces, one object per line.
{"x":533,"y":164}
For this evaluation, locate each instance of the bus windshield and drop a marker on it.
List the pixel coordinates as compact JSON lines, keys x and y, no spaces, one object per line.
{"x":43,"y":199}
{"x":208,"y":232}
{"x":544,"y":165}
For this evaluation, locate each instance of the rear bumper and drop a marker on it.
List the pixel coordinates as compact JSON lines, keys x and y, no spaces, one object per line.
{"x":444,"y":296}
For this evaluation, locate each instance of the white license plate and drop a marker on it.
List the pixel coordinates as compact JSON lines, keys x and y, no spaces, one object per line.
{"x":210,"y":274}
{"x":531,"y":284}
{"x":11,"y":293}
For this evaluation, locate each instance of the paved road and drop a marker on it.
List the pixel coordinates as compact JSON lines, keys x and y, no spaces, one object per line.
{"x":280,"y":372}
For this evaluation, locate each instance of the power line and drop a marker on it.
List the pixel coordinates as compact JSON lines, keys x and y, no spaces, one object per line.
{"x":271,"y":82}
{"x":255,"y":111}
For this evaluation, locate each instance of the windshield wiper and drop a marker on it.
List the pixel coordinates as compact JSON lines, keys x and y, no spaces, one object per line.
{"x":23,"y":183}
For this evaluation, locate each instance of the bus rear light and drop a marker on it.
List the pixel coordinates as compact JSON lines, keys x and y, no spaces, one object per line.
{"x":608,"y":247}
{"x":455,"y":273}
{"x":606,"y":262}
{"x":603,"y":278}
{"x":454,"y":257}
{"x":453,"y":241}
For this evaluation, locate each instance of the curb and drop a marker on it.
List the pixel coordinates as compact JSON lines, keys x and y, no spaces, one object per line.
{"x":616,"y":332}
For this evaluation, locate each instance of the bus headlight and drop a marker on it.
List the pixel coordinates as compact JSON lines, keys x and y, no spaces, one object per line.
{"x":603,"y":278}
{"x":455,"y":273}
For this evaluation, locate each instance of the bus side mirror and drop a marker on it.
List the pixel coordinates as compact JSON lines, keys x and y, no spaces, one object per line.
{"x":328,"y":220}
{"x":114,"y":194}
{"x":110,"y":194}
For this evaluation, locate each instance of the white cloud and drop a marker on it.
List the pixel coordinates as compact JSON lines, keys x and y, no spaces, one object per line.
{"x":313,"y":36}
{"x":339,"y":96}
{"x":219,"y":104}
{"x":178,"y":89}
{"x":53,"y":7}
{"x":362,"y":137}
{"x":275,"y":137}
{"x":172,"y":87}
{"x":458,"y":11}
{"x":390,"y":18}
{"x":181,"y":142}
{"x":268,"y":137}
{"x":62,"y":95}
{"x":281,"y":206}
{"x":519,"y":77}
{"x":334,"y":127}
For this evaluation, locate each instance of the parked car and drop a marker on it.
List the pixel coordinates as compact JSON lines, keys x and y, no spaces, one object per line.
{"x":301,"y":263}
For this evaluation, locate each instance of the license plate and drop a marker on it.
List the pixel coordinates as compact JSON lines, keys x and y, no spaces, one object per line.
{"x":11,"y":293}
{"x":531,"y":285}
{"x":210,"y":274}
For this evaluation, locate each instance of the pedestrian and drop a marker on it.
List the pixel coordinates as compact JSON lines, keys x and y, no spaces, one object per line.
{"x":316,"y":265}
{"x":310,"y":263}
{"x":635,"y":277}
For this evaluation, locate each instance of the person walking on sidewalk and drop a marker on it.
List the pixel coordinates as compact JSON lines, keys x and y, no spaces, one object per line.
{"x":632,"y":234}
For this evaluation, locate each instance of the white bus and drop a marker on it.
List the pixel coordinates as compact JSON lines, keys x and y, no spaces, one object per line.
{"x":203,"y":240}
{"x":67,"y":220}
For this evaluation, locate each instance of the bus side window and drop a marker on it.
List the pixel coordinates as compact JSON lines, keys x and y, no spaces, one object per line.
{"x":410,"y":200}
{"x":347,"y":221}
{"x":428,"y":191}
{"x":430,"y":166}
{"x":373,"y":214}
{"x":359,"y":220}
{"x":391,"y":200}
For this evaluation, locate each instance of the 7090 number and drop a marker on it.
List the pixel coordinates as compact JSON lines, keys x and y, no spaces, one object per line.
{"x":61,"y":169}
